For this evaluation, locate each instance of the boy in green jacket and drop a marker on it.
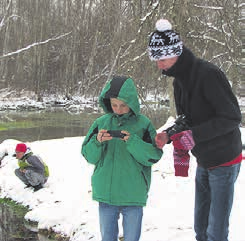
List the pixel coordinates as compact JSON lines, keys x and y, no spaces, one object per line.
{"x":123,"y":160}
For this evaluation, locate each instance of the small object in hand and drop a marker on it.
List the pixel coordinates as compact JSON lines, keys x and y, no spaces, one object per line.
{"x":116,"y":133}
{"x":183,"y":140}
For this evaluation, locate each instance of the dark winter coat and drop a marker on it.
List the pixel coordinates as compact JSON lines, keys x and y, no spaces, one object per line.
{"x":203,"y":93}
{"x":122,"y":173}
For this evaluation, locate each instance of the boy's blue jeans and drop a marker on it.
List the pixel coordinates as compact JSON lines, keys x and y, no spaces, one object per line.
{"x":132,"y":220}
{"x":213,"y":202}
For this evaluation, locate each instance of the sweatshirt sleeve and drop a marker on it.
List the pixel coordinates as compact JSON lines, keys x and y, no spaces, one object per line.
{"x":144,"y":150}
{"x":91,"y":148}
{"x":223,"y":102}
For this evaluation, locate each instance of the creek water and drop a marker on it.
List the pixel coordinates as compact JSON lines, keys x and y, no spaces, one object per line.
{"x":44,"y":125}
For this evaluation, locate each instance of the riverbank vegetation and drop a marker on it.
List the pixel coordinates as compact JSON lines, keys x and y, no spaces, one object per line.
{"x":19,"y":212}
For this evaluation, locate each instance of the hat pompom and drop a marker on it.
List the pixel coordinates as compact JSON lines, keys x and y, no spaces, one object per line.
{"x":163,"y":25}
{"x":164,"y":43}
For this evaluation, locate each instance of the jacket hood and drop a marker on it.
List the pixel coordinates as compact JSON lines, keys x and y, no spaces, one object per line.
{"x":122,"y":88}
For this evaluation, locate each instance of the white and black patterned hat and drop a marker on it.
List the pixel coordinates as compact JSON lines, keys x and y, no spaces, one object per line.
{"x":164,"y":43}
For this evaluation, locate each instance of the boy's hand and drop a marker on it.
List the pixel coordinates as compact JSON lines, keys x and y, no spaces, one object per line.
{"x":161,"y":139}
{"x":127,"y":135}
{"x":103,"y":136}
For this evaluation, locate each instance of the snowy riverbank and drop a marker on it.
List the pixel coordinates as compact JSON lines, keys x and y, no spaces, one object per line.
{"x":66,"y":207}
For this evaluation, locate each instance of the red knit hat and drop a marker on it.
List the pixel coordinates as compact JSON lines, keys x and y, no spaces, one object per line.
{"x":21,"y":147}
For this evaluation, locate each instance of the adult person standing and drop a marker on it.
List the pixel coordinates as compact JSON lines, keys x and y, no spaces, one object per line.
{"x":204,"y":96}
{"x":32,"y":171}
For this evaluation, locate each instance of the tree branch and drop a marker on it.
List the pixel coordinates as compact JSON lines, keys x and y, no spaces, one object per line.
{"x":33,"y":45}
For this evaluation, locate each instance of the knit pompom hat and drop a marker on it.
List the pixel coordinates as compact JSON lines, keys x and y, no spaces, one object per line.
{"x":164,"y":43}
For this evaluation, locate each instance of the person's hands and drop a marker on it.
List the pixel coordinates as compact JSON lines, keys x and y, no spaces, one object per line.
{"x":161,"y":139}
{"x":126,"y":137}
{"x":103,"y":136}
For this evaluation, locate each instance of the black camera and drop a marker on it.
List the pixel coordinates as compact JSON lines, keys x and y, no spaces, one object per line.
{"x":180,"y":124}
{"x":116,"y":133}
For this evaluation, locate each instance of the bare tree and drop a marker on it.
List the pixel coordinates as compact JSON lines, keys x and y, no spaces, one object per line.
{"x":73,"y":47}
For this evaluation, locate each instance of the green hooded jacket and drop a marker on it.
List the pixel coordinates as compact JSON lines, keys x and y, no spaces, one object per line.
{"x":122,"y":173}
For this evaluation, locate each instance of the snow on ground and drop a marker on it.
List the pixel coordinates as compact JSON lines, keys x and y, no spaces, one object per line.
{"x":66,"y":206}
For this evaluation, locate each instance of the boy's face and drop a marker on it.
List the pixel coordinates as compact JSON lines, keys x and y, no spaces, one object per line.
{"x":166,"y":64}
{"x":119,"y":107}
{"x":19,"y":155}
